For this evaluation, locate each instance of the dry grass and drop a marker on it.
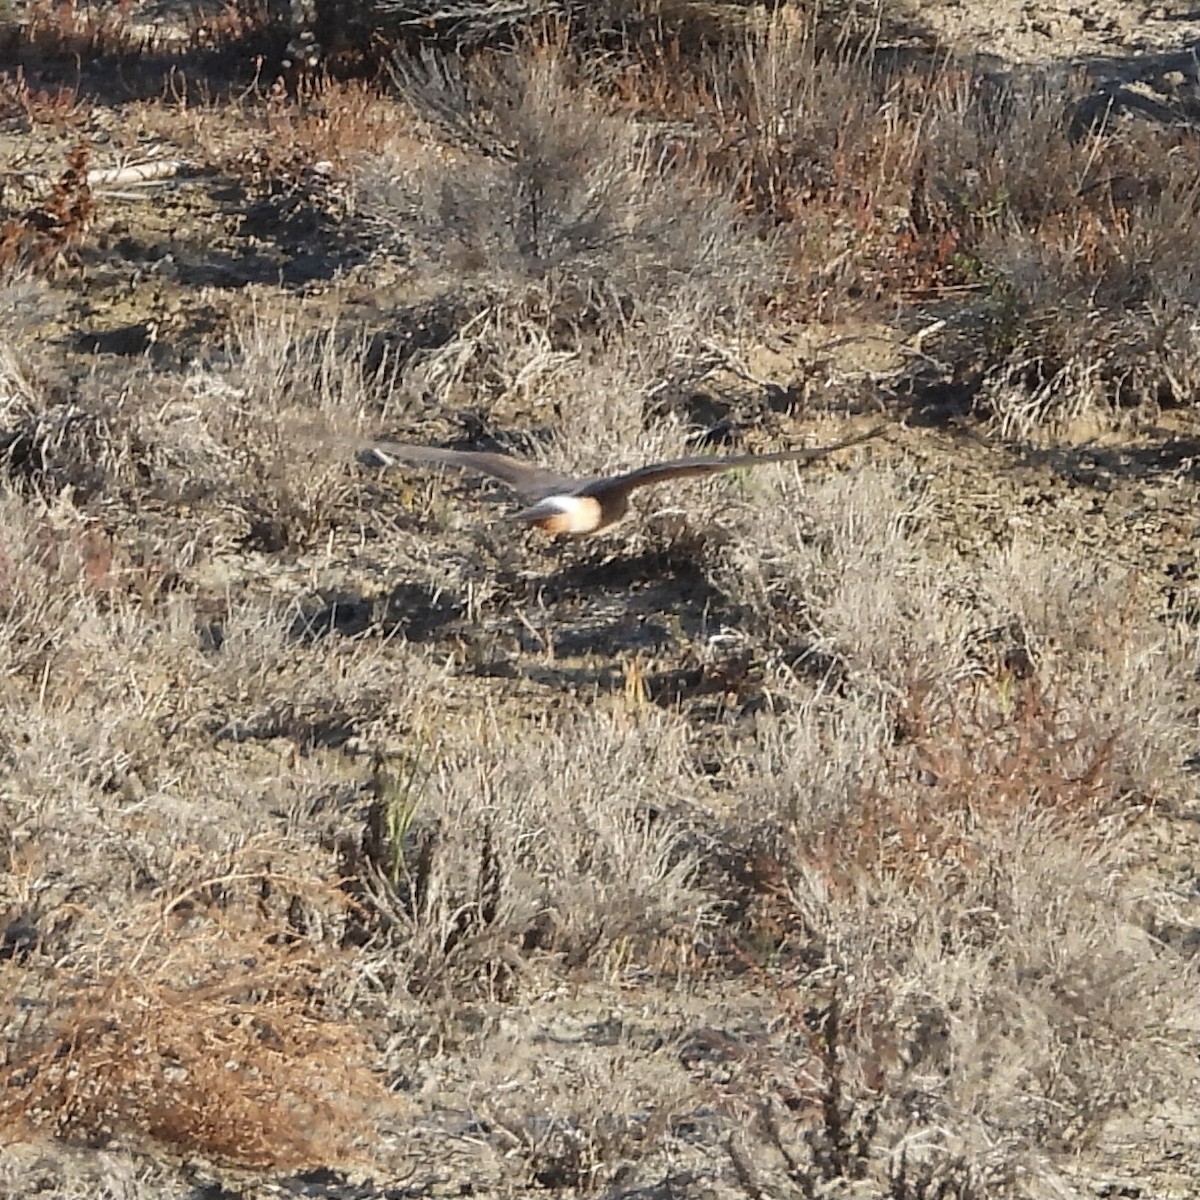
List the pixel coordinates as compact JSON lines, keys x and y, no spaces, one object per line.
{"x":1051,"y":230}
{"x":810,"y":832}
{"x":489,"y":865}
{"x":955,"y":822}
{"x":236,"y":1066}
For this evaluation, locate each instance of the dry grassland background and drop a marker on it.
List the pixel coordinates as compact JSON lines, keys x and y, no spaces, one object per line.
{"x":818,"y":832}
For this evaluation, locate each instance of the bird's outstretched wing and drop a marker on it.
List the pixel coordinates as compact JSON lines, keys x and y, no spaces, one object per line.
{"x":681,"y":468}
{"x":529,"y":482}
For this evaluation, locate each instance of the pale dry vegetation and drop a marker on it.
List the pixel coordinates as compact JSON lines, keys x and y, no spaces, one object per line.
{"x":956,"y":813}
{"x":557,"y":201}
{"x":812,"y":833}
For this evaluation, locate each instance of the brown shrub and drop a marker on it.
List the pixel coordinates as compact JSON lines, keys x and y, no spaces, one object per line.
{"x":989,"y":756}
{"x":216,"y":1049}
{"x":45,"y":238}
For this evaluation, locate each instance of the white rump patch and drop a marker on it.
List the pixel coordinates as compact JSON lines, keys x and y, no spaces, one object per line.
{"x":563,"y":514}
{"x":567,"y":504}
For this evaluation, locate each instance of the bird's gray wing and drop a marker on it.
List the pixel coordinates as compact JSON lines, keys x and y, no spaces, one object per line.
{"x":682,"y":468}
{"x":529,"y":482}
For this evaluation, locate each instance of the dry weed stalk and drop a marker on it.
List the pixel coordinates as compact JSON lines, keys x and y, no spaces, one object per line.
{"x":317,"y":132}
{"x":60,"y":108}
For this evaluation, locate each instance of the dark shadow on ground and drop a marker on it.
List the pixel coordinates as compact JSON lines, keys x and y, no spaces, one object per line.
{"x":289,"y":241}
{"x":930,"y":402}
{"x":729,"y":681}
{"x":415,"y":612}
{"x":672,"y":575}
{"x":1101,"y":466}
{"x":1119,"y":87}
{"x":116,"y":77}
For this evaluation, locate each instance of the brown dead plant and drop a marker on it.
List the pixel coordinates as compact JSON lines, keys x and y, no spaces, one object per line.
{"x":213,"y":1040}
{"x":58,"y":107}
{"x":46,"y":237}
{"x":996,"y":754}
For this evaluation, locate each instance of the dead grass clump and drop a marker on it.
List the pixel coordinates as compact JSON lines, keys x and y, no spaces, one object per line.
{"x":1096,"y":314}
{"x":56,"y":30}
{"x":209,"y":741}
{"x":236,"y":1065}
{"x":1084,"y":625}
{"x":235,"y":430}
{"x":189,"y":1020}
{"x":283,"y":396}
{"x":852,"y":568}
{"x":1068,"y":239}
{"x":58,"y":569}
{"x":819,"y":1130}
{"x":56,"y":449}
{"x":987,"y":758}
{"x":1022,"y":846}
{"x":59,"y":108}
{"x":79,"y":442}
{"x":336,"y":692}
{"x":583,"y":1125}
{"x":288,"y":139}
{"x":25,"y":302}
{"x":843,"y":567}
{"x":812,"y":139}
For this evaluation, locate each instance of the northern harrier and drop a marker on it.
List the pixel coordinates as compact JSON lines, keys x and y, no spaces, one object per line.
{"x":561,"y":504}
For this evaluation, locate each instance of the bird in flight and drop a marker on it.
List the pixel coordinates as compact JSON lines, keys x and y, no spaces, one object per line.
{"x":563,"y":504}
